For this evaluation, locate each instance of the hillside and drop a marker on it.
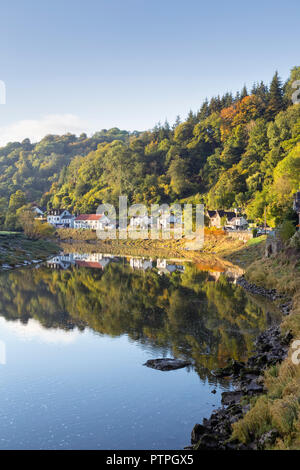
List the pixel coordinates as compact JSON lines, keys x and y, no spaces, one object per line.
{"x":236,"y":151}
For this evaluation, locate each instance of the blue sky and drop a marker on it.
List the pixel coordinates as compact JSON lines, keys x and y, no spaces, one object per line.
{"x":73,"y":65}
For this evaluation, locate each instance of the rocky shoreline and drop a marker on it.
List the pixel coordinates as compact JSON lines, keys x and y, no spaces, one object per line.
{"x":271,"y":347}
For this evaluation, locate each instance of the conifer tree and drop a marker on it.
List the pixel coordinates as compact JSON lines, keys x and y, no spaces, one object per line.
{"x":244,"y":92}
{"x":275,"y":99}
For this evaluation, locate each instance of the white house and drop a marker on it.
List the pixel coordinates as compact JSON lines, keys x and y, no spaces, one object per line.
{"x":38,"y":212}
{"x":167,"y":219}
{"x":60,"y":217}
{"x":92,"y":221}
{"x":237,"y":223}
{"x":166,"y":268}
{"x":87,"y":260}
{"x":141,"y":221}
{"x":141,"y":263}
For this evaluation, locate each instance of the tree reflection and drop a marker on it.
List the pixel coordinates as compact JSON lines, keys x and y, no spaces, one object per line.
{"x":186,"y":312}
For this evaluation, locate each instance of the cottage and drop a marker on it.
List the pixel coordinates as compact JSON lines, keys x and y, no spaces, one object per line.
{"x":237,"y":223}
{"x":60,"y":217}
{"x":164,"y":267}
{"x":168,"y":220}
{"x":142,"y":222}
{"x":38,"y":212}
{"x":141,"y":263}
{"x":218,"y":217}
{"x":92,"y":221}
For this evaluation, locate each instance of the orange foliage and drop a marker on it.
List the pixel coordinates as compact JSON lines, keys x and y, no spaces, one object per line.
{"x":242,"y":112}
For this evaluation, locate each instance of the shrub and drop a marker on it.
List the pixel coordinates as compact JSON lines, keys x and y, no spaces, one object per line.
{"x":295,"y":241}
{"x":287,"y":230}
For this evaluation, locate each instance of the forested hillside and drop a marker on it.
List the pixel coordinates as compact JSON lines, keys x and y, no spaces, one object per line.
{"x":236,"y":151}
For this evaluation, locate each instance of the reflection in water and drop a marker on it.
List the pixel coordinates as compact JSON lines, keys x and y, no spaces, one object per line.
{"x":159,"y":303}
{"x":77,"y":331}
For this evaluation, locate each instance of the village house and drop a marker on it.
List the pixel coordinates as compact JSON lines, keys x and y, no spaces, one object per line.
{"x":92,"y":222}
{"x":163,"y":221}
{"x":86,"y":260}
{"x":168,"y":220}
{"x":218,"y":217}
{"x":39,"y":212}
{"x":226,"y":219}
{"x":237,"y":223}
{"x":141,"y":263}
{"x":60,"y":218}
{"x":142,"y":222}
{"x":164,"y":267}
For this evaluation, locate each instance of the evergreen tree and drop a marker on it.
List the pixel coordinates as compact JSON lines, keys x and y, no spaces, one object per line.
{"x":203,"y":113}
{"x":275,"y":101}
{"x":244,"y":92}
{"x":177,"y":122}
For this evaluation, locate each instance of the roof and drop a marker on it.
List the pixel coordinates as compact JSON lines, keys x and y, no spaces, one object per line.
{"x":88,"y":217}
{"x":211,"y":213}
{"x":234,"y":219}
{"x":56,"y":211}
{"x":67,"y":217}
{"x":89,"y":264}
{"x":228,"y":214}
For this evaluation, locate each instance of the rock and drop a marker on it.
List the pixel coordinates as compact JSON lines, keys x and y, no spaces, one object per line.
{"x":197,"y":432}
{"x":268,"y":439}
{"x":214,"y":391}
{"x":167,"y":363}
{"x":287,"y":338}
{"x":231,"y":397}
{"x":253,"y":388}
{"x":233,"y":369}
{"x":208,"y":442}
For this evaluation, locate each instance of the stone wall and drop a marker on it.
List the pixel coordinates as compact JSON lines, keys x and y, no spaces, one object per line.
{"x":273,"y":245}
{"x":243,"y":235}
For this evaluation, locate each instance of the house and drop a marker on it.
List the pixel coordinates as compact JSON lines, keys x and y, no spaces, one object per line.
{"x":68,"y":221}
{"x":296,"y":205}
{"x":141,"y":263}
{"x":92,"y":222}
{"x":39,"y":212}
{"x":237,"y":223}
{"x":167,"y":220}
{"x":58,"y":262}
{"x":216,"y":218}
{"x":60,"y":217}
{"x":227,"y":219}
{"x":86,"y":260}
{"x":166,"y":268}
{"x":142,"y":222}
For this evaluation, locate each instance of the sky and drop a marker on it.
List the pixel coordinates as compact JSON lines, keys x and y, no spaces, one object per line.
{"x":85,"y":65}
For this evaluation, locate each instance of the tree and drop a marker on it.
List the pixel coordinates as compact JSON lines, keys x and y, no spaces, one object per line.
{"x":34,"y":229}
{"x":178,"y":174}
{"x":275,"y":101}
{"x":17,"y":200}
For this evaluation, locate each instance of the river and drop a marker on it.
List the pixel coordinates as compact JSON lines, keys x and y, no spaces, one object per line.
{"x":76,"y":331}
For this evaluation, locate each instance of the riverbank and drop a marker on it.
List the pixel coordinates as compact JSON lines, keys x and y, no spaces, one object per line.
{"x":263,"y":412}
{"x":16,"y":250}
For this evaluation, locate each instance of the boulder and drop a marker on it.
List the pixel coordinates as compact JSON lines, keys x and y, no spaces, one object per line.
{"x":167,"y":363}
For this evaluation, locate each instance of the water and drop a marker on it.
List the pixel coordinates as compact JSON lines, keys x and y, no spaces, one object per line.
{"x":76,"y":333}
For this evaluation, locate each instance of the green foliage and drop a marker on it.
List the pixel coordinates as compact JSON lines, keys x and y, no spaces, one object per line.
{"x":184,"y":311}
{"x":287,"y":229}
{"x":240,"y":151}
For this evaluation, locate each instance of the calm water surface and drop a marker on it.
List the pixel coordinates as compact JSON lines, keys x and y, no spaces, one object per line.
{"x":76,"y":332}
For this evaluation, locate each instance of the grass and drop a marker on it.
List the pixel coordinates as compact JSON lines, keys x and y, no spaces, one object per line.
{"x":279,"y":408}
{"x":15,"y":249}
